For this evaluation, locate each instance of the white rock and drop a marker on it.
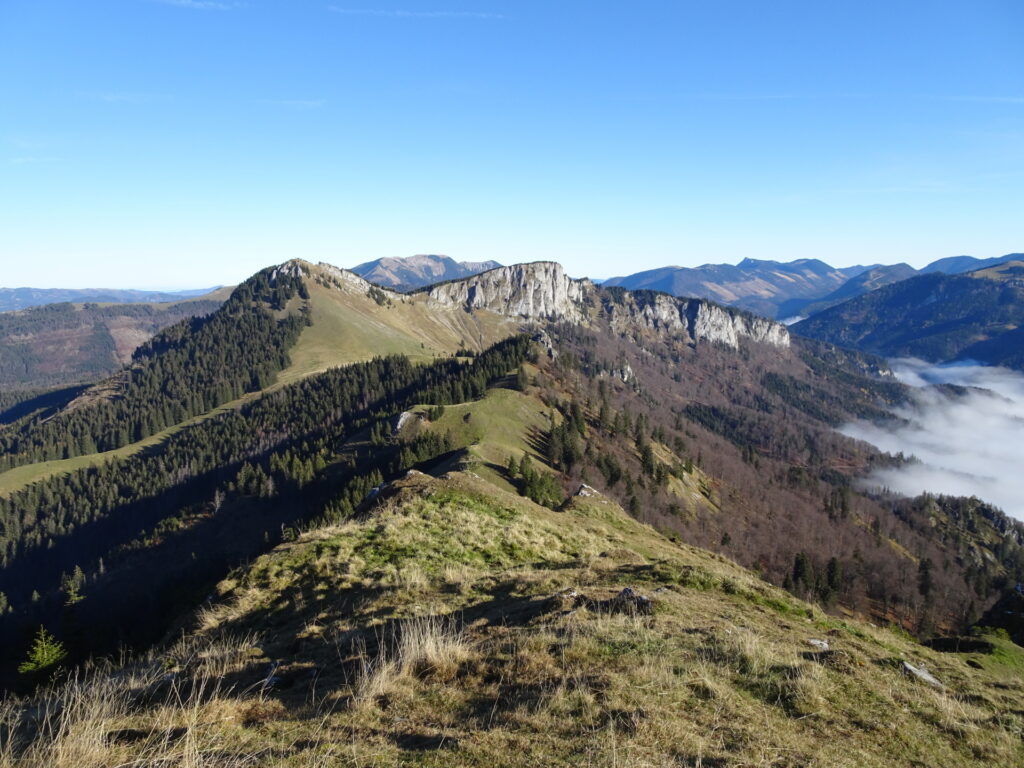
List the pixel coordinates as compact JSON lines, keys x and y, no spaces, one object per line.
{"x":404,"y":418}
{"x":921,"y":674}
{"x":538,"y":291}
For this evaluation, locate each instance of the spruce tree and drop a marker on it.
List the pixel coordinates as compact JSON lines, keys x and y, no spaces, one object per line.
{"x":46,"y":653}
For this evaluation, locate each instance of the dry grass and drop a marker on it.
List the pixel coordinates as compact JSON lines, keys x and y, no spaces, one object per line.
{"x":720,"y":674}
{"x":138,"y":715}
{"x":426,"y":648}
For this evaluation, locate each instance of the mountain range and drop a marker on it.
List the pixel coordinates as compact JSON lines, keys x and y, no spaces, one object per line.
{"x":933,"y":316}
{"x":67,"y":344}
{"x":788,"y":289}
{"x":503,"y":512}
{"x":63,"y":344}
{"x":22,"y":298}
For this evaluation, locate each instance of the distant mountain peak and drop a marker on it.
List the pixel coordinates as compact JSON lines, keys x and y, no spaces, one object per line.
{"x":23,"y":298}
{"x":411,"y":272}
{"x":757,"y":285}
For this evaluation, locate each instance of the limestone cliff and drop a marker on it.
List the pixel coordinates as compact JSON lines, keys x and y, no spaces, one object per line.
{"x":543,"y":291}
{"x":715,"y":323}
{"x":537,"y":291}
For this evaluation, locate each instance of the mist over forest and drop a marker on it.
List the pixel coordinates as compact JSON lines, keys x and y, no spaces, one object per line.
{"x":967,"y":443}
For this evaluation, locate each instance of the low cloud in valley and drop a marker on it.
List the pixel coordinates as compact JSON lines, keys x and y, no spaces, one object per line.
{"x":967,"y":445}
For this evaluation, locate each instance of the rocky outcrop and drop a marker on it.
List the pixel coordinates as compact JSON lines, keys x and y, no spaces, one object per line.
{"x":657,"y":312}
{"x":920,"y":673}
{"x":543,"y":291}
{"x":714,"y":323}
{"x":331,"y":276}
{"x":291,"y":268}
{"x":538,"y":291}
{"x":343,"y":278}
{"x":697,"y":319}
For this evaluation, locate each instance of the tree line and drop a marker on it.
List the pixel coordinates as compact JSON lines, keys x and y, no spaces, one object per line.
{"x":187,"y":369}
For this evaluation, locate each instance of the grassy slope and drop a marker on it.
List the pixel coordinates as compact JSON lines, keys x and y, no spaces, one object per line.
{"x":349,"y":326}
{"x":218,"y":294}
{"x":509,"y":423}
{"x":1005,"y":272}
{"x":504,"y":423}
{"x":721,"y":673}
{"x":435,"y":630}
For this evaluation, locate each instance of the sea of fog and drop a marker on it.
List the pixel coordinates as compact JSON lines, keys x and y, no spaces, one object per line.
{"x":970,"y":445}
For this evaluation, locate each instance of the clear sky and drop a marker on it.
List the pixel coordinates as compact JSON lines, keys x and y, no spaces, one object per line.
{"x":184,"y":143}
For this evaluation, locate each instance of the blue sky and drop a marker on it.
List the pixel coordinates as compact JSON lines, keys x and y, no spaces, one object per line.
{"x":185,"y":143}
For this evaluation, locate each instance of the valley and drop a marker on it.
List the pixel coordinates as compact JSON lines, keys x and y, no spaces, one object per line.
{"x":61,"y":344}
{"x":961,"y":427}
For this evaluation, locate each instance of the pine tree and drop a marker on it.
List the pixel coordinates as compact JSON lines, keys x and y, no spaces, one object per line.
{"x":521,"y":379}
{"x":803,"y":572}
{"x":46,"y":652}
{"x":834,"y":575}
{"x":924,"y":577}
{"x":72,"y":586}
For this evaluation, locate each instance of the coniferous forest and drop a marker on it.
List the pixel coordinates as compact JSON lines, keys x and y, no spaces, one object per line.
{"x":189,"y":368}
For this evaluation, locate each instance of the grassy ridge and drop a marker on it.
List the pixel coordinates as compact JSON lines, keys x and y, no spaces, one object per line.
{"x":349,"y":326}
{"x":442,"y":629}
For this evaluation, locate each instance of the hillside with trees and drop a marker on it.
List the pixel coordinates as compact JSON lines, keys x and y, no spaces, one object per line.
{"x":717,"y":435}
{"x":935,"y":317}
{"x":62,"y":344}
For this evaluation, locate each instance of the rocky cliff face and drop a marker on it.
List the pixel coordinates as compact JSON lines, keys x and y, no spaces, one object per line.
{"x":538,"y":291}
{"x":700,"y":320}
{"x":333,"y":277}
{"x":713,"y":323}
{"x":344,"y":278}
{"x":542,"y":291}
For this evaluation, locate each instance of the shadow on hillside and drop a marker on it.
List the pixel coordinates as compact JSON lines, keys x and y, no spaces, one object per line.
{"x":303,"y":672}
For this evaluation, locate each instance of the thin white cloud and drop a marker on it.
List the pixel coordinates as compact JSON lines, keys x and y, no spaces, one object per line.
{"x":986,"y":99}
{"x":201,"y":5}
{"x":122,"y":97}
{"x":965,"y":444}
{"x":33,"y":160}
{"x":404,"y":14}
{"x":295,"y":103}
{"x":24,"y":143}
{"x":748,"y":96}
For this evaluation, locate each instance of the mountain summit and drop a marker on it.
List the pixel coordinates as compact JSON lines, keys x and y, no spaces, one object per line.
{"x":404,"y":274}
{"x":756,"y":285}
